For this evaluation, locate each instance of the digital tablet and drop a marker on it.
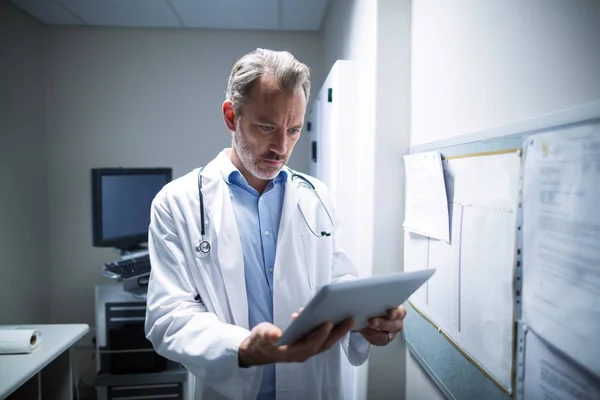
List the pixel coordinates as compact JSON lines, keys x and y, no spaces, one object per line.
{"x":361,"y":299}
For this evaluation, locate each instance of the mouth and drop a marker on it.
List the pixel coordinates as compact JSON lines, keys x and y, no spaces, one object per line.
{"x":273,"y":163}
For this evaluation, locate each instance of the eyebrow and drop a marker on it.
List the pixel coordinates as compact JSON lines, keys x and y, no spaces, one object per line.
{"x":261,"y":121}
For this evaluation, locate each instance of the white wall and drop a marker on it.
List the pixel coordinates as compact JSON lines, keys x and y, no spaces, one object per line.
{"x":134,"y":97}
{"x":477,"y":65}
{"x":419,"y":385}
{"x":392,"y":139}
{"x":24,"y":261}
{"x":482,"y":64}
{"x":349,"y":33}
{"x":375,"y":35}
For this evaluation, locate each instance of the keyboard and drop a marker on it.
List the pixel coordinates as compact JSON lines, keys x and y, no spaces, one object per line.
{"x":128,"y":267}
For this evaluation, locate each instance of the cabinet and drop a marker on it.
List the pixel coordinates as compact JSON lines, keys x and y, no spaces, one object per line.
{"x":127,"y":367}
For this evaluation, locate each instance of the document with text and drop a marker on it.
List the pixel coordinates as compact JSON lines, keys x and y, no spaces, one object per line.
{"x":426,"y":200}
{"x":561,"y":241}
{"x":551,"y":375}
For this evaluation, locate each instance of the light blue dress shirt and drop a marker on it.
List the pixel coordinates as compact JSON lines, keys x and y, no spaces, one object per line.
{"x":257,"y":218}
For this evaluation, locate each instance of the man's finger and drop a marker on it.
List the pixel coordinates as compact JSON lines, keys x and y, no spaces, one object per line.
{"x":393,"y":314}
{"x":377,"y":338}
{"x":269,"y":333}
{"x":296,"y":314}
{"x":394,"y":322}
{"x":388,"y":325}
{"x":337,"y":333}
{"x":309,"y":346}
{"x":397,"y":313}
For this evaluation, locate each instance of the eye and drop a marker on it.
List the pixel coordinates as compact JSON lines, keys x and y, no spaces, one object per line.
{"x":266,"y":128}
{"x":294,"y":131}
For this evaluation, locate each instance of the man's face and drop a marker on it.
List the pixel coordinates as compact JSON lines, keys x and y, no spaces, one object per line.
{"x":270,"y":126}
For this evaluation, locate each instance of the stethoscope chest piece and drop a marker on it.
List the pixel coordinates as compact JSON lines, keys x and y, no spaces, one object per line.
{"x":202,"y":248}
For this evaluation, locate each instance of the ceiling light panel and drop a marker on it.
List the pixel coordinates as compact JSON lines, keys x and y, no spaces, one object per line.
{"x":137,"y":13}
{"x":229,"y":14}
{"x":48,"y":12}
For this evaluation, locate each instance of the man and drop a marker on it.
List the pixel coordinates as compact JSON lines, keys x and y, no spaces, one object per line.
{"x":219,"y":298}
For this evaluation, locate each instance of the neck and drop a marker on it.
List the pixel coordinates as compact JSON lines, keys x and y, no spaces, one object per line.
{"x":256,"y":183}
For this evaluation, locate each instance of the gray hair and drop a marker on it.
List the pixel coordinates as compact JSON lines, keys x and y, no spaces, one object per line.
{"x":289,"y":73}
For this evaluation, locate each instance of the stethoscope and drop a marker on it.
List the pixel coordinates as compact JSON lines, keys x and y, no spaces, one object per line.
{"x":204,"y":246}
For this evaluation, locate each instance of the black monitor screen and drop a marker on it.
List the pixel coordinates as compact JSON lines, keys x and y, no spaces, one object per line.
{"x":122,"y":201}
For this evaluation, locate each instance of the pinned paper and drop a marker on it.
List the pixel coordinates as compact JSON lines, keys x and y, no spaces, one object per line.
{"x":426,"y":199}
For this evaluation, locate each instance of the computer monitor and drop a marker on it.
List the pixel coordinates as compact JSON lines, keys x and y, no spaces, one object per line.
{"x":121,"y":201}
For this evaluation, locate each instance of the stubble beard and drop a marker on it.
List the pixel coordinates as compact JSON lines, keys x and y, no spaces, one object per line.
{"x":248,"y":160}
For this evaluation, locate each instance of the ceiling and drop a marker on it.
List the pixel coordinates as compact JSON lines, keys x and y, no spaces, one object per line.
{"x":304,"y":15}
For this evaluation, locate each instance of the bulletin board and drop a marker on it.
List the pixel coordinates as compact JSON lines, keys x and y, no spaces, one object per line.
{"x":456,"y":373}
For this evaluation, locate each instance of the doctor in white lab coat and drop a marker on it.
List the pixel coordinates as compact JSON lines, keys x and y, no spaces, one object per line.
{"x":198,"y":303}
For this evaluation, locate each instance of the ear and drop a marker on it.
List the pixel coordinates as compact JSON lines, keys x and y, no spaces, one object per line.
{"x":229,"y":115}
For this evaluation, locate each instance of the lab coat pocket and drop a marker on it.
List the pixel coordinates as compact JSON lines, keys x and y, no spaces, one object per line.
{"x":309,"y":257}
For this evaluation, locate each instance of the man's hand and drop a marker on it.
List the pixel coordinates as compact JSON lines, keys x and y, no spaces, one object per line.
{"x":382,"y":331}
{"x":259,"y":348}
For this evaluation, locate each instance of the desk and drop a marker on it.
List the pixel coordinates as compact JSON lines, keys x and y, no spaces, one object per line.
{"x":46,"y":370}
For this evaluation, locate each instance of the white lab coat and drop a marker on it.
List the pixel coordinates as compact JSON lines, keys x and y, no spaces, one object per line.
{"x":205,"y":335}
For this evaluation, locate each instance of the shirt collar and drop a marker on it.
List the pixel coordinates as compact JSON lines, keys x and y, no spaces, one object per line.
{"x":233,"y":176}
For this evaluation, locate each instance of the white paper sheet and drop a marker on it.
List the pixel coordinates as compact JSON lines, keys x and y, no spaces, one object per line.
{"x":551,"y":375}
{"x":490,"y":181}
{"x":416,"y":251}
{"x":443,"y":291}
{"x":488,"y":188}
{"x":486,"y":295}
{"x":426,"y":200}
{"x":561,"y":233}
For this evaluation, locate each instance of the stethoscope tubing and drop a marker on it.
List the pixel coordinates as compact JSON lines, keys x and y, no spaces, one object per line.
{"x":205,"y":247}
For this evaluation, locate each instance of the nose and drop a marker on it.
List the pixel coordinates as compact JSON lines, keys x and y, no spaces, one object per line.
{"x":279,"y":143}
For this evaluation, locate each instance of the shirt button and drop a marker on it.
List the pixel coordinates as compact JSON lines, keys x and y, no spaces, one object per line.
{"x":266,"y":233}
{"x":270,"y":269}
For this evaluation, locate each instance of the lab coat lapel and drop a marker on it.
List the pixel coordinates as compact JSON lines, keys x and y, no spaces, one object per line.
{"x":226,"y":242}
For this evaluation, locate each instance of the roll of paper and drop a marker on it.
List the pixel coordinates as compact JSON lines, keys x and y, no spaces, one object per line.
{"x":18,"y":341}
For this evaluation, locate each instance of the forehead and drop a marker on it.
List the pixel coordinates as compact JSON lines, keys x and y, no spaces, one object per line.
{"x":269,"y":101}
